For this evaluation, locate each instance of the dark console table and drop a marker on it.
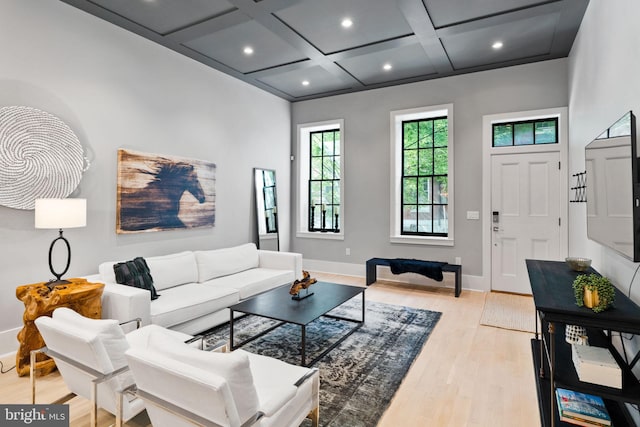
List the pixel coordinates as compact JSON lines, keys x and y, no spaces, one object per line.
{"x":551,"y":284}
{"x":372,"y":272}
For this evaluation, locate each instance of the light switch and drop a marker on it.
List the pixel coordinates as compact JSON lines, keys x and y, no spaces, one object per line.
{"x":473,"y":215}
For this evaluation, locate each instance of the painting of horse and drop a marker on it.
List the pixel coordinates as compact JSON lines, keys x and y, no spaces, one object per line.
{"x":158,"y":192}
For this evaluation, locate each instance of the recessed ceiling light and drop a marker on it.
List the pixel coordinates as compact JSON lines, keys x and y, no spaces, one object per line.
{"x":497,"y":45}
{"x":346,"y":23}
{"x":387,"y":66}
{"x":305,"y":83}
{"x":248,"y":50}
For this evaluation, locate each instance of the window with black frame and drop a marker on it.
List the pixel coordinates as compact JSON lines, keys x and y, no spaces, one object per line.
{"x":425,"y":167}
{"x":324,"y":181}
{"x":525,"y":132}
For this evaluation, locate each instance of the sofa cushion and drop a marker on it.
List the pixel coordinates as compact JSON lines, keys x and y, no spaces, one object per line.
{"x":173,"y":269}
{"x":167,"y":270}
{"x":222,"y":262}
{"x":233,"y":367}
{"x":187,"y":302}
{"x":251,"y":282}
{"x":135,"y":273}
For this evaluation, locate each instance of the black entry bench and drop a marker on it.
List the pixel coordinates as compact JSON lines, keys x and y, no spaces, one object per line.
{"x":449,"y":268}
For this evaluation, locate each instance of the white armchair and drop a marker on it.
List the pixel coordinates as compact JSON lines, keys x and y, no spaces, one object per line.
{"x":181,"y":385}
{"x":89,"y":354}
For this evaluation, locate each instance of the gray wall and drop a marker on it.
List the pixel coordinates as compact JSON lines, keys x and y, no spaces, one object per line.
{"x":115,"y":89}
{"x":604,"y":81}
{"x":367,"y":148}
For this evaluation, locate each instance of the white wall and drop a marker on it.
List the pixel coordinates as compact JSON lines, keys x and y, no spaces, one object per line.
{"x":115,"y":89}
{"x":604,"y":83}
{"x":367,"y":147}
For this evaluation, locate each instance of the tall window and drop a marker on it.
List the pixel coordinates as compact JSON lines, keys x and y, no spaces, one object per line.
{"x":422,"y":175}
{"x":321,"y":180}
{"x":425,"y":170}
{"x":324,"y":180}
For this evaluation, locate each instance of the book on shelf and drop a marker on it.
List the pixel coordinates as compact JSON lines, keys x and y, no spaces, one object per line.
{"x":581,"y":408}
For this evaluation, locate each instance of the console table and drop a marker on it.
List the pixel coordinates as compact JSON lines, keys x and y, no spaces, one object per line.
{"x":551,"y":284}
{"x":80,"y":295}
{"x":372,"y":272}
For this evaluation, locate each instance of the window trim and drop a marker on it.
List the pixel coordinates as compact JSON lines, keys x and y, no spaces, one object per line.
{"x":396,"y":119}
{"x":302,"y":216}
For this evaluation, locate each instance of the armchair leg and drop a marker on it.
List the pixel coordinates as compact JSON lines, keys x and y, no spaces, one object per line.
{"x":314,"y":416}
{"x":94,"y":404}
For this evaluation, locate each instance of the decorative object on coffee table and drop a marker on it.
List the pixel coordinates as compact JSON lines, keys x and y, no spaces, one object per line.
{"x":39,"y":300}
{"x":594,"y":292}
{"x":299,"y":285}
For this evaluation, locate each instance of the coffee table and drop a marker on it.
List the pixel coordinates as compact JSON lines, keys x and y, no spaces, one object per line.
{"x":277,"y":304}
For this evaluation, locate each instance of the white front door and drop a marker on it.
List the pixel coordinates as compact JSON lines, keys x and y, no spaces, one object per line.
{"x":525,"y":209}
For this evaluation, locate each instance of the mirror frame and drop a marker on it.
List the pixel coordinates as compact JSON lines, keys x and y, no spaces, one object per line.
{"x":265,"y":188}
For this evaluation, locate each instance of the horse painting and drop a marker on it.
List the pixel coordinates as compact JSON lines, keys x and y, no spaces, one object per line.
{"x":159,"y":193}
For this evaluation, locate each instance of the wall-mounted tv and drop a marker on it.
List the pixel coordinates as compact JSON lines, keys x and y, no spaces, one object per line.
{"x":613,"y":188}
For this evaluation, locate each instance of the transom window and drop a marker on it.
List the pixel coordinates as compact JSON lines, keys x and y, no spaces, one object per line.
{"x":527,"y":132}
{"x":425,"y":167}
{"x":324,"y":180}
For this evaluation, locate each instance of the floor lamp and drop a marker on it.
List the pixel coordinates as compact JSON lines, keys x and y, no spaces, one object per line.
{"x":59,"y":214}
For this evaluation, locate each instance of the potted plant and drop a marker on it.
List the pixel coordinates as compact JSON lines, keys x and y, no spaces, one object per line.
{"x":593,"y":291}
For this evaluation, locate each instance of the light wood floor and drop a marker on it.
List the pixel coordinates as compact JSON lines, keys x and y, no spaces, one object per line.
{"x":466,"y":375}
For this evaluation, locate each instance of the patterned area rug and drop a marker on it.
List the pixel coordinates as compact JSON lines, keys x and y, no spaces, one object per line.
{"x":359,"y":377}
{"x":508,"y":311}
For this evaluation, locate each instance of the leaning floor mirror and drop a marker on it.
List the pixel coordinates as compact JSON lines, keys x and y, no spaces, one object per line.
{"x":266,"y":209}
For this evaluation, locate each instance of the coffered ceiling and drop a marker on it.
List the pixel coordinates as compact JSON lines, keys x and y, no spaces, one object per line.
{"x":304,"y":49}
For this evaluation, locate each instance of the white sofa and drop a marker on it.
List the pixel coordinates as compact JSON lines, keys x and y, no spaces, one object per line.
{"x":197,"y":287}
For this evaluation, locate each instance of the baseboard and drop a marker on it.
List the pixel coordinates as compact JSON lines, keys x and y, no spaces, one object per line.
{"x":8,"y":342}
{"x":476,"y":283}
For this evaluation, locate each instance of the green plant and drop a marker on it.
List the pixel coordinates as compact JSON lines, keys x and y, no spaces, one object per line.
{"x":593,"y":282}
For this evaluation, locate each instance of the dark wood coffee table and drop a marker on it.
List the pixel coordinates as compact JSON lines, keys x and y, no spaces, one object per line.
{"x":277,"y":304}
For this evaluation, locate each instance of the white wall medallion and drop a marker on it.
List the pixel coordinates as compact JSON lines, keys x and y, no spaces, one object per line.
{"x":40,"y":157}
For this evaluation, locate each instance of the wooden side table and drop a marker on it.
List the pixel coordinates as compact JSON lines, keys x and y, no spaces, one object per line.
{"x":81,"y":296}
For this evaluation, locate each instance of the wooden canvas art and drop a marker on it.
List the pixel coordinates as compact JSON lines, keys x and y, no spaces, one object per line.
{"x":157,"y":192}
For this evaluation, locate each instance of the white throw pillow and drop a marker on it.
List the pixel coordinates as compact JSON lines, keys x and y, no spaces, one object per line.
{"x":233,"y":367}
{"x":173,"y":270}
{"x":223,"y":262}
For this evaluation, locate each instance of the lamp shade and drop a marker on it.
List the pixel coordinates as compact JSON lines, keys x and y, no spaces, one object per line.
{"x":61,"y":213}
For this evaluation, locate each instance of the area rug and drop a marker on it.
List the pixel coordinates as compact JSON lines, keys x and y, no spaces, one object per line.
{"x":508,"y":311}
{"x":359,"y":377}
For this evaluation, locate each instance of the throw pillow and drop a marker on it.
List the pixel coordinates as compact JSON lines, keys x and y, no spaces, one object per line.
{"x":135,"y":273}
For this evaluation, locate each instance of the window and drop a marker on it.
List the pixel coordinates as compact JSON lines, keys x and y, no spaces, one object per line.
{"x":422,"y":182}
{"x":320,"y":180}
{"x":528,"y":132}
{"x":425,"y":168}
{"x":324,"y":180}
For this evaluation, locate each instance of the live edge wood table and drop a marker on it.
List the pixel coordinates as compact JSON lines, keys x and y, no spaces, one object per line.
{"x":81,"y":296}
{"x":551,"y":284}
